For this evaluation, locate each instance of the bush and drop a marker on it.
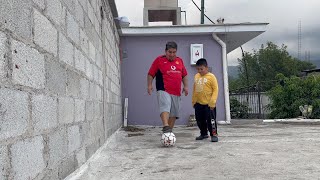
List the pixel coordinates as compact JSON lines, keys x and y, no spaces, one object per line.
{"x":238,"y":110}
{"x":287,"y":96}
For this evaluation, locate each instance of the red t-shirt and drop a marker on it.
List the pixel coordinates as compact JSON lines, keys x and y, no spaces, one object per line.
{"x":168,"y":74}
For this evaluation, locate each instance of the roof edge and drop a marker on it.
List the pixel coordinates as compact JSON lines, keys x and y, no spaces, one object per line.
{"x":192,"y":29}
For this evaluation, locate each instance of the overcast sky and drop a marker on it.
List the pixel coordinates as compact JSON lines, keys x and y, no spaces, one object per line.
{"x":283,"y":16}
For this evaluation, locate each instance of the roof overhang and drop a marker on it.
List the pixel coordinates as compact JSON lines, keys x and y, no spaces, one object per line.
{"x":114,"y":12}
{"x":234,"y":35}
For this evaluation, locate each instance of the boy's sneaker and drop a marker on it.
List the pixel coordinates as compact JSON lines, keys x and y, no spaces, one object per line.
{"x":214,"y":138}
{"x":166,"y":129}
{"x":202,"y":137}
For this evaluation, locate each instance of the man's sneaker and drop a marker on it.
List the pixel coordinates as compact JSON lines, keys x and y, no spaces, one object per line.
{"x":166,"y":129}
{"x":202,"y":137}
{"x":214,"y":138}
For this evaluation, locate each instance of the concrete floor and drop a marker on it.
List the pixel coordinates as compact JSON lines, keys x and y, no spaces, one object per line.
{"x":244,"y":151}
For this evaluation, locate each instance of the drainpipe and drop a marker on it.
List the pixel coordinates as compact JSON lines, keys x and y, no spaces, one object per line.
{"x":225,"y":77}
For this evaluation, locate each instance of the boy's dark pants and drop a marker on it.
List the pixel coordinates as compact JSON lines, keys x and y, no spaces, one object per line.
{"x":203,"y":117}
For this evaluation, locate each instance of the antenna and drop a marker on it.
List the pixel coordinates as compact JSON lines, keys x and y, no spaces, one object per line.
{"x":299,"y":40}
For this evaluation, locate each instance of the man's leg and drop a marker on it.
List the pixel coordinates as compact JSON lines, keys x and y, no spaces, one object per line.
{"x":174,"y":110}
{"x":164,"y":101}
{"x":171,"y":122}
{"x":165,"y":118}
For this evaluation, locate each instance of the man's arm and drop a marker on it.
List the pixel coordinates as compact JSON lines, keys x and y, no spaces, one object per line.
{"x":185,"y":85}
{"x":149,"y":82}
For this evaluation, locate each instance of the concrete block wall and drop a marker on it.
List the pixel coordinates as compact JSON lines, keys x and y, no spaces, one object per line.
{"x":59,"y":85}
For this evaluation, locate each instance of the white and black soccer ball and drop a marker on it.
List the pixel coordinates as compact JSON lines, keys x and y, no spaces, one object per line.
{"x":168,"y":139}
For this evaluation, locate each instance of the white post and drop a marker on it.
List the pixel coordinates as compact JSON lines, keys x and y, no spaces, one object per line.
{"x":125,"y":116}
{"x":225,"y":77}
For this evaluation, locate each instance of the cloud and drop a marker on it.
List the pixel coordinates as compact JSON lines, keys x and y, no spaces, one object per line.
{"x":283,"y":16}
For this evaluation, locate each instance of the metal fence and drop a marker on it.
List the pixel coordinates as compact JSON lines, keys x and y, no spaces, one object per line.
{"x":253,"y":101}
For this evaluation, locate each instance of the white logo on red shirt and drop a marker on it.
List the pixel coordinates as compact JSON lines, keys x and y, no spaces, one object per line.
{"x":173,"y":67}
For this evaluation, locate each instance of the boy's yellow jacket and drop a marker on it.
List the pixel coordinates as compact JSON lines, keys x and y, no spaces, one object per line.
{"x":205,"y":90}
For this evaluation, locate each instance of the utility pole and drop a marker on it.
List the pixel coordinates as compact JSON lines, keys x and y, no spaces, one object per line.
{"x":202,"y":11}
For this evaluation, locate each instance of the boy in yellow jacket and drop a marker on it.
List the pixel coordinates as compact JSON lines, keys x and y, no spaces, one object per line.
{"x":204,"y":98}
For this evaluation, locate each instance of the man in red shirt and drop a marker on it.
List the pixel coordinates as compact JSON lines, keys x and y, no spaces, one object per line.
{"x":169,"y":71}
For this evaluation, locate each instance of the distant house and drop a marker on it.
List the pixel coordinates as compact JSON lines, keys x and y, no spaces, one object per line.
{"x":141,"y":45}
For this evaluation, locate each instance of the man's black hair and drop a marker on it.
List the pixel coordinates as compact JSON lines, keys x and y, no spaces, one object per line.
{"x":172,"y":45}
{"x":202,"y":62}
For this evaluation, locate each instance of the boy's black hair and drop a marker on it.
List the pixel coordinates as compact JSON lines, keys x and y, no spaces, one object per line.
{"x":202,"y":62}
{"x":171,"y":44}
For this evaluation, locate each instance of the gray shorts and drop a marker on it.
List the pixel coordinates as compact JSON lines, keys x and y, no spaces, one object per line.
{"x":169,"y":103}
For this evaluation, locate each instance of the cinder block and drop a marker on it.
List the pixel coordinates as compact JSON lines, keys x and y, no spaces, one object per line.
{"x":3,"y":67}
{"x":51,"y":174}
{"x":100,"y":131}
{"x":84,"y":132}
{"x":89,"y":69}
{"x":92,"y":91}
{"x":91,"y":14}
{"x":67,"y":167}
{"x":56,"y":12}
{"x":4,"y":162}
{"x":45,"y":34}
{"x":16,"y":16}
{"x":28,"y":66}
{"x":98,"y":96}
{"x":80,"y":110}
{"x":57,"y":146}
{"x":91,"y":149}
{"x":99,"y":59}
{"x":79,"y":13}
{"x":100,"y":78}
{"x":70,"y":4}
{"x":95,"y":73}
{"x":73,"y":29}
{"x":81,"y":157}
{"x":92,"y":51}
{"x":74,"y":140}
{"x":40,"y":3}
{"x":84,"y":4}
{"x":27,"y":158}
{"x":96,"y":114}
{"x":97,"y":28}
{"x":14,"y":113}
{"x":44,"y":112}
{"x":80,"y":61}
{"x":89,"y":110}
{"x":84,"y":88}
{"x":73,"y":84}
{"x":56,"y":77}
{"x":89,"y":29}
{"x":84,"y":42}
{"x":66,"y":50}
{"x":66,"y":110}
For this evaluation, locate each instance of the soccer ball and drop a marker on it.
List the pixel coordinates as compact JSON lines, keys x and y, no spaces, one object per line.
{"x":168,"y":139}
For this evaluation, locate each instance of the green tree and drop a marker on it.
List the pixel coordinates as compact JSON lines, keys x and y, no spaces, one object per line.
{"x":292,"y":93}
{"x":264,"y":64}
